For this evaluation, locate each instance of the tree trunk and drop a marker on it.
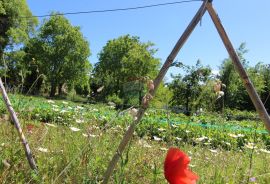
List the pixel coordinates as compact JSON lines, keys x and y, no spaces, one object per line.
{"x":60,"y":92}
{"x":140,"y":93}
{"x":53,"y":89}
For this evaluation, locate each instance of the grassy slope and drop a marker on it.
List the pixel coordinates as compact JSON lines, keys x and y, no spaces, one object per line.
{"x":82,"y":156}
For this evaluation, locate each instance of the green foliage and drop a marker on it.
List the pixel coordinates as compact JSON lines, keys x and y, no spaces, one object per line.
{"x":15,"y":72}
{"x":14,"y":28}
{"x":123,"y":61}
{"x":188,"y":88}
{"x":236,"y":95}
{"x":83,"y":155}
{"x":162,"y":97}
{"x":264,"y":71}
{"x":115,"y":99}
{"x":61,"y":53}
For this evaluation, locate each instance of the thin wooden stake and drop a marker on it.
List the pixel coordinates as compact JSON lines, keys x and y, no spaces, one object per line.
{"x":16,"y":122}
{"x":239,"y":68}
{"x":157,"y":82}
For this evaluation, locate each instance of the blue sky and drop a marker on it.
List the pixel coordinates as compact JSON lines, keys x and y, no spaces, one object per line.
{"x":244,"y":20}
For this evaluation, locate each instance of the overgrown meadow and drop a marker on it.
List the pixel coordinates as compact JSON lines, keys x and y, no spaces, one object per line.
{"x":74,"y":142}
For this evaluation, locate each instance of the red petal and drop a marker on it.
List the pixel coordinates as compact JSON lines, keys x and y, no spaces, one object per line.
{"x":176,"y":168}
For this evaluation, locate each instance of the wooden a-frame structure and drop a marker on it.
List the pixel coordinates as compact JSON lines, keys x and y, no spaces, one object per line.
{"x":206,"y":6}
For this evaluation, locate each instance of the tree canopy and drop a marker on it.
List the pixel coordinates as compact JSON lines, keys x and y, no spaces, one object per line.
{"x":60,"y":52}
{"x":14,"y":26}
{"x":236,"y":95}
{"x":186,"y":89}
{"x":123,"y":64}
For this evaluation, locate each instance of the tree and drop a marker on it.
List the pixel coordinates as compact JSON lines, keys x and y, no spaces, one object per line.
{"x":186,"y":89}
{"x":61,"y":53}
{"x":264,"y":71}
{"x":15,"y":70}
{"x":124,"y":64}
{"x":236,"y":95}
{"x":15,"y":29}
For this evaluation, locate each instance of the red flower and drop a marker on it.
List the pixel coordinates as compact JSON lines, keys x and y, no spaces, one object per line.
{"x":176,"y":168}
{"x":29,"y":128}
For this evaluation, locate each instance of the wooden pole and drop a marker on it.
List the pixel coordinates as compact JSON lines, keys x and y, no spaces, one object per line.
{"x":239,"y":68}
{"x":157,"y":82}
{"x":16,"y":122}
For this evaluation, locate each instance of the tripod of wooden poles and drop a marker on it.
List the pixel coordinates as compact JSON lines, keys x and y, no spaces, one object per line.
{"x":206,"y":6}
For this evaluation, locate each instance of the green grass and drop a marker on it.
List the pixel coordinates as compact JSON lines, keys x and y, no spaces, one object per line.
{"x":82,"y":156}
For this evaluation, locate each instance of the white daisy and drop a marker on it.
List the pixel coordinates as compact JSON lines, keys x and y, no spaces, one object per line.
{"x":74,"y":129}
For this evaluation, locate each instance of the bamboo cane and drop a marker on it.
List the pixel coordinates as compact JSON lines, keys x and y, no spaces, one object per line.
{"x":239,"y":68}
{"x":16,"y":122}
{"x":157,"y":81}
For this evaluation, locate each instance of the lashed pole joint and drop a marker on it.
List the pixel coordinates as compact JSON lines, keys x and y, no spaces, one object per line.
{"x":157,"y":82}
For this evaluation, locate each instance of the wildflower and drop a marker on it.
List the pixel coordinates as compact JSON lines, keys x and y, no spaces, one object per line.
{"x":250,"y":145}
{"x":63,"y":111}
{"x":240,"y":135}
{"x":253,"y":179}
{"x":44,"y":150}
{"x":79,"y":121}
{"x":89,"y":135}
{"x":51,"y":101}
{"x":74,"y":129}
{"x":112,"y":105}
{"x":213,"y":151}
{"x":187,"y":131}
{"x":79,"y":107}
{"x":92,"y":135}
{"x":29,"y":128}
{"x":54,"y":109}
{"x":144,"y":144}
{"x":51,"y":125}
{"x":265,"y":150}
{"x":157,"y":138}
{"x":95,"y":127}
{"x":200,"y":139}
{"x":163,"y":149}
{"x":100,"y":89}
{"x":119,"y":127}
{"x":161,"y":129}
{"x":178,"y":138}
{"x":60,"y":118}
{"x":176,"y":169}
{"x":147,"y":145}
{"x":174,"y":126}
{"x":233,"y":135}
